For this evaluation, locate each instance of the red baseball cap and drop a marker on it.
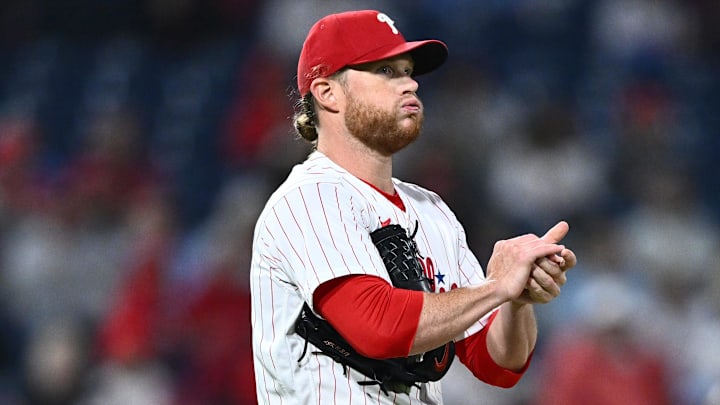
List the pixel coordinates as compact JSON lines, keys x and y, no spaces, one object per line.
{"x":356,"y":37}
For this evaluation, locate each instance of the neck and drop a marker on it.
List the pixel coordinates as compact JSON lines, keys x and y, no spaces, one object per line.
{"x":361,"y":162}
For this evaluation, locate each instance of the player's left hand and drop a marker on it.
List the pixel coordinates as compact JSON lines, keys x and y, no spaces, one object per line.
{"x":549,"y":273}
{"x":546,"y":278}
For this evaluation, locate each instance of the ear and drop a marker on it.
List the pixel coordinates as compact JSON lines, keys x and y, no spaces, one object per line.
{"x":325,"y":92}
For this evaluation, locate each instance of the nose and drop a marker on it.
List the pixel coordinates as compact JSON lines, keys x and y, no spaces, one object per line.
{"x":409,"y":85}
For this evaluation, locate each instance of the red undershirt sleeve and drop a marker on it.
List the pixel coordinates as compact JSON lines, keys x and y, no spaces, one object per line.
{"x":378,"y":320}
{"x":473,"y":353}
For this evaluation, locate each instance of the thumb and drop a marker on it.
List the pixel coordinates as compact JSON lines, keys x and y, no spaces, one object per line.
{"x":556,"y":233}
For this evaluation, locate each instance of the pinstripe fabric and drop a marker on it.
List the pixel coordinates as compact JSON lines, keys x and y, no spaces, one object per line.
{"x":316,"y":227}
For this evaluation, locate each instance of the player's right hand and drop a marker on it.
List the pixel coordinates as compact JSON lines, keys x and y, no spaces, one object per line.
{"x":513,"y":260}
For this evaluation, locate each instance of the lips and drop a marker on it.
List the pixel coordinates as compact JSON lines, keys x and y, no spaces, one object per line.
{"x":413,"y":105}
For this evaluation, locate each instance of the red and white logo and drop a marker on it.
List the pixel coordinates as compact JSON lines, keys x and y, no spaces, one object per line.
{"x":382,"y":17}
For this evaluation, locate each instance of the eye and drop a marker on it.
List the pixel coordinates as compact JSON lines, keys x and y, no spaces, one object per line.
{"x":393,"y":71}
{"x":386,"y":70}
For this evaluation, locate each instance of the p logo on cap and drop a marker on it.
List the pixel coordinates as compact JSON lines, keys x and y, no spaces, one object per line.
{"x":355,"y":37}
{"x":382,"y":17}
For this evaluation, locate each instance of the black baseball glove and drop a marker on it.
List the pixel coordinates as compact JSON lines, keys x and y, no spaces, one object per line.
{"x":400,"y":255}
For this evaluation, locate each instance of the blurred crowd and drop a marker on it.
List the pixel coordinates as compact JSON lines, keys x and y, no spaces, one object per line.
{"x":139,"y":140}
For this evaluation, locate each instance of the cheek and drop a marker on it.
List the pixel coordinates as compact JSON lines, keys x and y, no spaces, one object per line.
{"x":371,"y":95}
{"x":378,"y":100}
{"x":372,"y":90}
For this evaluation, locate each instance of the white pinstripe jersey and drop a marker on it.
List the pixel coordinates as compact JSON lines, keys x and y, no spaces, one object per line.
{"x":314,"y":228}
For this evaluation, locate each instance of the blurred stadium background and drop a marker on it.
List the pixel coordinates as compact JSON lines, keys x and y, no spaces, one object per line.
{"x":140,"y":138}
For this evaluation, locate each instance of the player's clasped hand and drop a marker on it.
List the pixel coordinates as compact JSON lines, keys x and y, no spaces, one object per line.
{"x":531,"y":269}
{"x":544,"y":282}
{"x":548,"y":274}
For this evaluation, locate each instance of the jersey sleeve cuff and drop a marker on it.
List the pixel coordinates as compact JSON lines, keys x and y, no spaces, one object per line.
{"x":474,"y":354}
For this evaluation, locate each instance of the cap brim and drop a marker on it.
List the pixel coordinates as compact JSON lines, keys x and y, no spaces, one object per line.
{"x":428,"y":54}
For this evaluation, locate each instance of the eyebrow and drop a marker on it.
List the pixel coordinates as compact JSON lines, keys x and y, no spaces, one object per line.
{"x":381,"y":62}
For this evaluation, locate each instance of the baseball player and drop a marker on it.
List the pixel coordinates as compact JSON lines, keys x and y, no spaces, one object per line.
{"x":363,"y":286}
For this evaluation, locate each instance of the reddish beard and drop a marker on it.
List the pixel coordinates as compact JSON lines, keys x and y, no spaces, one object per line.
{"x":380,"y":129}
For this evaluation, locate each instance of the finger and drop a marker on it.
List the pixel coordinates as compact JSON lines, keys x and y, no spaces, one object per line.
{"x":545,"y":281}
{"x":569,"y":258}
{"x":538,"y":294}
{"x":524,"y":238}
{"x":529,"y":246}
{"x":540,"y":249}
{"x":556,"y":233}
{"x":553,"y":270}
{"x":557,"y":259}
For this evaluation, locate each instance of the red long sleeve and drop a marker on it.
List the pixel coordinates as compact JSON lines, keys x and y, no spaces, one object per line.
{"x":473,"y":353}
{"x":378,"y":320}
